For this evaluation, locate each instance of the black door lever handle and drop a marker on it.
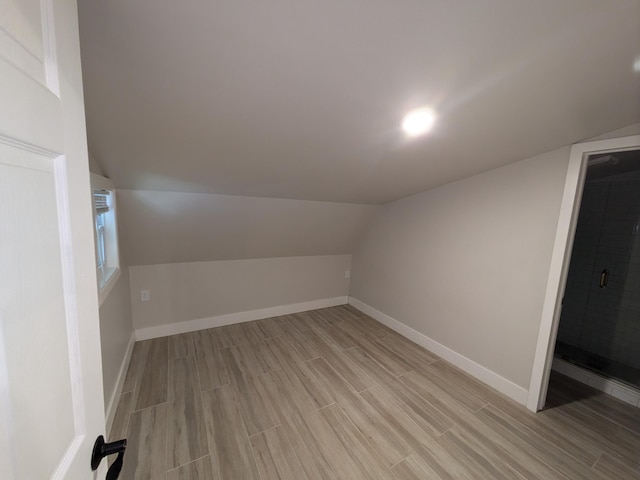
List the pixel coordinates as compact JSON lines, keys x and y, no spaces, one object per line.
{"x":102,"y":449}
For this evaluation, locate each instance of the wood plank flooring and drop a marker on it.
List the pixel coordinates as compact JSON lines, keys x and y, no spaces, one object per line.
{"x":333,"y":394}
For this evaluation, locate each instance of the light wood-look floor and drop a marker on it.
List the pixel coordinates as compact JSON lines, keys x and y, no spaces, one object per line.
{"x":333,"y":394}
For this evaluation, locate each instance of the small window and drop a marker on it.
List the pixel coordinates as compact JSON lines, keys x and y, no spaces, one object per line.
{"x":106,"y":234}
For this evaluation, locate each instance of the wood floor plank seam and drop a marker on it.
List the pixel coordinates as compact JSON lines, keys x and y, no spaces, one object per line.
{"x":152,"y":388}
{"x":400,"y":461}
{"x":186,"y":435}
{"x":264,"y":431}
{"x":190,"y":462}
{"x":147,"y":408}
{"x":200,"y":469}
{"x":371,"y":441}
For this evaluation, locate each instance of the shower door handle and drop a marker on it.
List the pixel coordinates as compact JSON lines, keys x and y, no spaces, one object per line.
{"x":604,"y":278}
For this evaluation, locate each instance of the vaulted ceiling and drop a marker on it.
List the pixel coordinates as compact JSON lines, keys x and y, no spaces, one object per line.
{"x":303,"y":99}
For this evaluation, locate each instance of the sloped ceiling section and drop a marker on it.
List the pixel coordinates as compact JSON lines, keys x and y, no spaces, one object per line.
{"x":169,"y":227}
{"x":303,"y":99}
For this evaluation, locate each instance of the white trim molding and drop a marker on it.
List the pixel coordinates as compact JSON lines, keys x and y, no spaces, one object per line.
{"x":559,"y":267}
{"x":117,"y":391}
{"x":474,"y":369}
{"x":232,"y":318}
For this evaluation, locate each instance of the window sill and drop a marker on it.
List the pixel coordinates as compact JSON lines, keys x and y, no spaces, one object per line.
{"x":105,"y":289}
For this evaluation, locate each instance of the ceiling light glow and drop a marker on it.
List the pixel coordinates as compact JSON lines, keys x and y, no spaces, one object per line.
{"x":636,"y":64}
{"x":418,"y":121}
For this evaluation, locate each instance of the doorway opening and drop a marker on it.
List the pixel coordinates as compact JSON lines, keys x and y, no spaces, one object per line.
{"x":598,"y":338}
{"x":600,"y":154}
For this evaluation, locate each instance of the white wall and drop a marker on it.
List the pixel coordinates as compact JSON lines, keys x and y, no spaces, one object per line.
{"x":170,"y":227}
{"x":203,"y":256}
{"x":115,"y":335}
{"x":116,"y":331}
{"x":94,"y":165}
{"x":190,"y":296}
{"x":466,"y":264}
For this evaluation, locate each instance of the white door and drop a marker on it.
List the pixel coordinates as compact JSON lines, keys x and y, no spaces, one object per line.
{"x":51,"y":404}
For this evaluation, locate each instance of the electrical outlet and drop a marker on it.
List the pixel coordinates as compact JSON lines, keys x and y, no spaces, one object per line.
{"x":145,"y":295}
{"x":347,"y":274}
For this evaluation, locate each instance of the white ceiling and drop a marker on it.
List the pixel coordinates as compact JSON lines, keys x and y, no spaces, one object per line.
{"x":303,"y":99}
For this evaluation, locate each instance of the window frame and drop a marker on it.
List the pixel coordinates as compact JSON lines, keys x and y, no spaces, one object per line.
{"x":112,"y":273}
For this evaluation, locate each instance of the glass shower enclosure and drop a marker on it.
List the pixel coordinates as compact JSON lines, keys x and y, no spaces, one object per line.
{"x":600,"y":321}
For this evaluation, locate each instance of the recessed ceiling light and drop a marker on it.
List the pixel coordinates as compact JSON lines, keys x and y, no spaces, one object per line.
{"x":418,"y":121}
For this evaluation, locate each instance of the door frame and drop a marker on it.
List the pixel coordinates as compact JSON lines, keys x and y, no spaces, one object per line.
{"x":560,"y":258}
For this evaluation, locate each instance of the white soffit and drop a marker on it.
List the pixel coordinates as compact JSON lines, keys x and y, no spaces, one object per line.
{"x":304,"y":99}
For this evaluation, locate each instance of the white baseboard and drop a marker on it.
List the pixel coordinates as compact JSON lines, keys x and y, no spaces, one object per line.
{"x":474,"y":369}
{"x":607,"y":385}
{"x":231,"y":318}
{"x":117,"y":391}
